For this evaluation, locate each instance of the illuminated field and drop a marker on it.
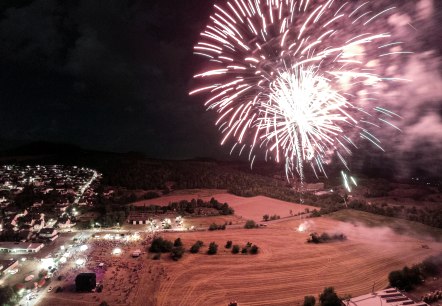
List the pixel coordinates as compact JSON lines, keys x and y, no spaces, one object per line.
{"x":287,"y":268}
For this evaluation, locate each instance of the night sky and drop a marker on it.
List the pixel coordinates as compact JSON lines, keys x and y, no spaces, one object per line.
{"x":115,"y":75}
{"x":107,"y":75}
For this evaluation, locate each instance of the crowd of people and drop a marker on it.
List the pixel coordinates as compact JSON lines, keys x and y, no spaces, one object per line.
{"x":118,"y":272}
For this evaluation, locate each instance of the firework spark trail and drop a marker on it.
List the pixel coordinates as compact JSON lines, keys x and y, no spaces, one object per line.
{"x":284,"y":76}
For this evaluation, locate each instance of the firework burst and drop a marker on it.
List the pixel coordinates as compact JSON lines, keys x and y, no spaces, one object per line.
{"x":287,"y":76}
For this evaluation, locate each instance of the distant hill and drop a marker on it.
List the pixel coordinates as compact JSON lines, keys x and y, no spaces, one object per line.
{"x":42,"y":148}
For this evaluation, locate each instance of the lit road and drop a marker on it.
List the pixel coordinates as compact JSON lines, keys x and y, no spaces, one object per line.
{"x":85,"y":187}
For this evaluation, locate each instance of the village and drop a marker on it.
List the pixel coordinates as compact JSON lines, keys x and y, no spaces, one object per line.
{"x":39,"y":203}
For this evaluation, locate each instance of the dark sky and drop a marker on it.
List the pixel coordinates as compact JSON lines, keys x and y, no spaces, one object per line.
{"x":109,"y":75}
{"x":115,"y":75}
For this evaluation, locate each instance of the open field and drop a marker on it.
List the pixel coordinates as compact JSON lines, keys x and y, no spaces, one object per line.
{"x":287,"y":268}
{"x":247,"y":208}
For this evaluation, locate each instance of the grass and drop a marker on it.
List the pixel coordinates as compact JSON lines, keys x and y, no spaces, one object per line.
{"x":399,"y":226}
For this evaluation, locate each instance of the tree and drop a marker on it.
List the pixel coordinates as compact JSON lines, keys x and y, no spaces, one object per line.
{"x":329,"y":297}
{"x":229,"y":244}
{"x":177,"y":243}
{"x":413,"y":275}
{"x":254,"y":249}
{"x":314,"y":237}
{"x":396,"y":279}
{"x":196,"y":247}
{"x":266,"y":217}
{"x":213,"y":248}
{"x":309,"y":300}
{"x":406,"y":278}
{"x":429,"y":268}
{"x":235,"y":249}
{"x":213,"y":227}
{"x":250,"y":224}
{"x":7,"y":296}
{"x":160,"y":245}
{"x":177,"y":253}
{"x":244,"y":250}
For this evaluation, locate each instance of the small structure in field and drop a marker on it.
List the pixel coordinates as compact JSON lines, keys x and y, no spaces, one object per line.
{"x":85,"y":282}
{"x":387,"y":297}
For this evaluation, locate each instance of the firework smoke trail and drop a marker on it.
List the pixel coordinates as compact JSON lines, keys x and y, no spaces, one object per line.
{"x":283,"y":76}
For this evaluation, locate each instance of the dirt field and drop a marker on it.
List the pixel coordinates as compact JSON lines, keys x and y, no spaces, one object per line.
{"x":287,"y":268}
{"x":247,"y":208}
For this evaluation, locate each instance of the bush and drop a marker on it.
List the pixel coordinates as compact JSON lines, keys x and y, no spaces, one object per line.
{"x":266,"y":217}
{"x":315,"y":213}
{"x":324,"y":237}
{"x":160,"y":245}
{"x":214,"y":227}
{"x":244,"y":250}
{"x":309,"y":300}
{"x":250,"y":224}
{"x":235,"y":249}
{"x":429,"y":267}
{"x":396,"y":279}
{"x":254,"y":249}
{"x":229,"y":244}
{"x":196,"y":247}
{"x":405,"y":279}
{"x":329,"y":297}
{"x":177,"y":253}
{"x":213,"y":248}
{"x":178,"y":243}
{"x":7,"y":296}
{"x":314,"y":238}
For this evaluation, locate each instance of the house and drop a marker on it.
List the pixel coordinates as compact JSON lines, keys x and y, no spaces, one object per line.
{"x":65,"y":222}
{"x":38,"y":225}
{"x":138,"y":218}
{"x":8,"y":265}
{"x":313,"y":186}
{"x":38,"y":204}
{"x":386,"y":297}
{"x":20,"y":247}
{"x":48,"y":233}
